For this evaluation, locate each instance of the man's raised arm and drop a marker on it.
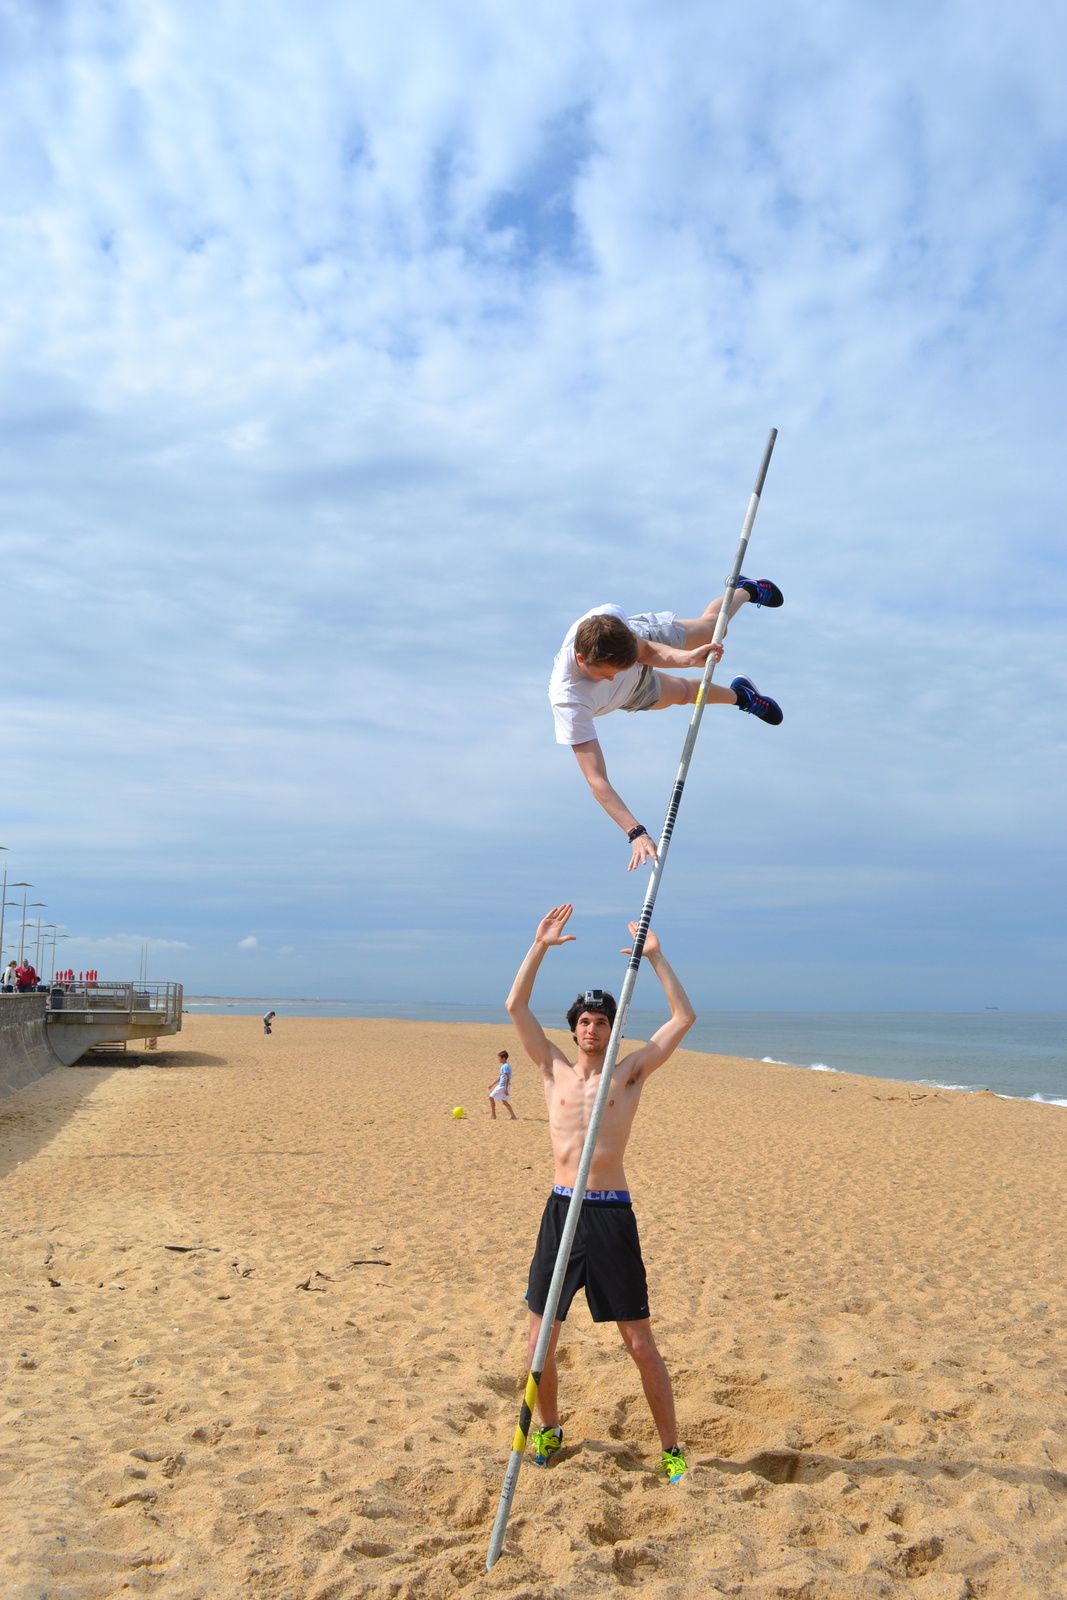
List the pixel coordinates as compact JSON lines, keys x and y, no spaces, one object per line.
{"x":531,"y":1034}
{"x":666,"y":1039}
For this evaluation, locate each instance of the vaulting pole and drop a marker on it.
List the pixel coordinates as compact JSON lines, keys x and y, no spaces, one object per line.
{"x":563,"y":1255}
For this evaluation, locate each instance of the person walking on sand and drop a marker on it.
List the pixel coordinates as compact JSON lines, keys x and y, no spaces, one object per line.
{"x":606,"y":1255}
{"x":268,"y":1021}
{"x":610,"y":662}
{"x":500,"y":1088}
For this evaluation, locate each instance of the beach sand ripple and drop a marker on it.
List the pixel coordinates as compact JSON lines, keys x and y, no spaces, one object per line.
{"x":264,"y":1332}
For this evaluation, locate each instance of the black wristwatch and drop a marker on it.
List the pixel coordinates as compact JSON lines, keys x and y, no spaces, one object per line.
{"x":636,"y":833}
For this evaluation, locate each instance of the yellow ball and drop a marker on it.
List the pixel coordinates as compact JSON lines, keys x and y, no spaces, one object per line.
{"x":458,"y":1111}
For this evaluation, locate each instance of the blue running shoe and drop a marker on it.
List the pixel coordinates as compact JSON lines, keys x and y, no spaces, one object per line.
{"x":763,"y":591}
{"x":757,"y":705}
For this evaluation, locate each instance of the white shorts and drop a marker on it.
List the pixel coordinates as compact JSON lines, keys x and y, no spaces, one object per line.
{"x":500,"y":1093}
{"x":661,"y":627}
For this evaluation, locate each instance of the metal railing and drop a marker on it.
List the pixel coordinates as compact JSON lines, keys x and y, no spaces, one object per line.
{"x":161,"y":1001}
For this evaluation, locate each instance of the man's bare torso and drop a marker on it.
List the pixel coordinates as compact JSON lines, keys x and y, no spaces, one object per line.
{"x":570,"y":1094}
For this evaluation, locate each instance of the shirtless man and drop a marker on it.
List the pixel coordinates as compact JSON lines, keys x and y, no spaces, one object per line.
{"x":613,"y":662}
{"x":606,"y":1257}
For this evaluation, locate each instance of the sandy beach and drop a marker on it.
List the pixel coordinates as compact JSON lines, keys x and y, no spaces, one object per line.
{"x":264,"y":1332}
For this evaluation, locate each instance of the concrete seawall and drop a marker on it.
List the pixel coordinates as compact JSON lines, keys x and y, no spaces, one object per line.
{"x":26,"y":1048}
{"x":35,"y":1038}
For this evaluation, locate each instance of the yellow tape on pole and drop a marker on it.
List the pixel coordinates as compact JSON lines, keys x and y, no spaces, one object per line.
{"x":526,"y":1411}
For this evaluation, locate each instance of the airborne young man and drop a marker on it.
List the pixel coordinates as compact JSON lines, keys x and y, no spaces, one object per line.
{"x":611,"y":662}
{"x":606,"y":1255}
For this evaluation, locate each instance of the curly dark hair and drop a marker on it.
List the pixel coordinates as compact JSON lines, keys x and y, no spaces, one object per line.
{"x":605,"y":1005}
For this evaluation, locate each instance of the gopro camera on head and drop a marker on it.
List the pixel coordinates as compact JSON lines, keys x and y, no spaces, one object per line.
{"x":592,"y":1000}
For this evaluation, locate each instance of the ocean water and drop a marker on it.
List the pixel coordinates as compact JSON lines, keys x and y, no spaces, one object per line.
{"x":1019,"y":1054}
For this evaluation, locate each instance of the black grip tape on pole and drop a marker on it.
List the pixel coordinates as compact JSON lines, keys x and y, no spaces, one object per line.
{"x":672,"y":808}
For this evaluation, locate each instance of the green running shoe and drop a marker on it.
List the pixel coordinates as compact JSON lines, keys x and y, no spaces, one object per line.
{"x":674,"y":1464}
{"x":546,"y":1441}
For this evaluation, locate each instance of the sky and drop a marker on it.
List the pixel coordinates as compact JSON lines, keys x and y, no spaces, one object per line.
{"x":349,"y":354}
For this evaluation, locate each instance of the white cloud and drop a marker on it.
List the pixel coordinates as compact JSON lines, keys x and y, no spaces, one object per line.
{"x":248,"y":943}
{"x":347,"y":364}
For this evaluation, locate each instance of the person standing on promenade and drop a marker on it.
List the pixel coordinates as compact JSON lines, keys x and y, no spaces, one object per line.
{"x":611,"y":662}
{"x":9,"y":980}
{"x":500,"y":1088}
{"x":606,"y":1256}
{"x":268,"y":1021}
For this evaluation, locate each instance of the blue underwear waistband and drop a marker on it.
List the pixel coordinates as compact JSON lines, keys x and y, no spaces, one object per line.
{"x":601,"y":1197}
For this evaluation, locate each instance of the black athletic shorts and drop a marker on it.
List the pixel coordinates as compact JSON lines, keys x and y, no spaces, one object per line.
{"x":605,"y":1262}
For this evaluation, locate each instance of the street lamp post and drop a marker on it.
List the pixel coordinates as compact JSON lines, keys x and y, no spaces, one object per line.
{"x":42,"y":927}
{"x":56,"y":936}
{"x":24,"y":925}
{"x":4,"y":901}
{"x":21,"y":884}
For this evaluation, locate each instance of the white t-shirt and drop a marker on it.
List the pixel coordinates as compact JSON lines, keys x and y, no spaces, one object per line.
{"x":576,"y":699}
